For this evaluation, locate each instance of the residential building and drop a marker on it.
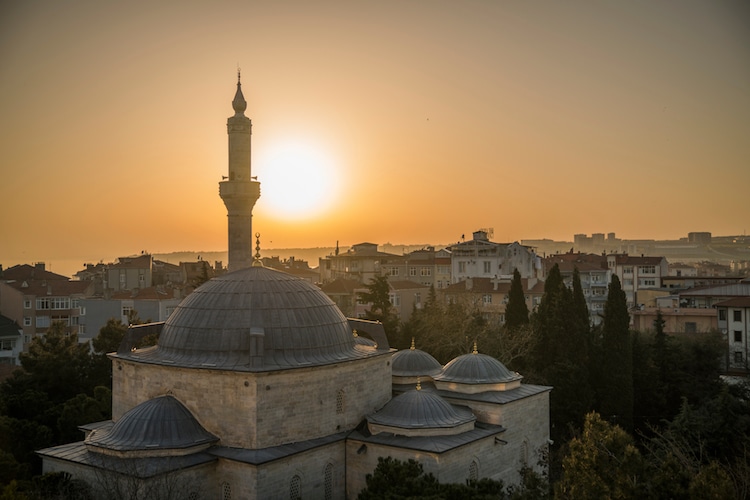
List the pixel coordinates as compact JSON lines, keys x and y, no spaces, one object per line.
{"x":734,"y":321}
{"x":362,"y":262}
{"x":482,"y":258}
{"x":129,"y":273}
{"x":637,"y":273}
{"x":490,"y":295}
{"x":11,"y":341}
{"x":36,"y":298}
{"x":343,"y":293}
{"x":404,"y":296}
{"x":426,"y":266}
{"x":594,"y":275}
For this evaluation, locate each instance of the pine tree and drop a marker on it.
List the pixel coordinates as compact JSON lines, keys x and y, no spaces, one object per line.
{"x":516,"y":312}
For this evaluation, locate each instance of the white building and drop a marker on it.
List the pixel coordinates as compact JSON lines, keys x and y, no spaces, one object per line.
{"x":482,"y":258}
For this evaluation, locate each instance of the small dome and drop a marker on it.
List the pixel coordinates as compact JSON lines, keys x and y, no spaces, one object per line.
{"x":255,"y":319}
{"x":476,"y":368}
{"x":159,"y":424}
{"x":364,"y":341}
{"x":421,"y":410}
{"x":415,"y":363}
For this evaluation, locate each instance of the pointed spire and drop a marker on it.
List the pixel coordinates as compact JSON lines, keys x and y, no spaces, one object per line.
{"x":239,"y":104}
{"x":256,"y":258}
{"x":475,"y":348}
{"x":412,"y":344}
{"x":419,"y":384}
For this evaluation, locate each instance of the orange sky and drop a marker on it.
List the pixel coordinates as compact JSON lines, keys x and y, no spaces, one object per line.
{"x":541,"y":119}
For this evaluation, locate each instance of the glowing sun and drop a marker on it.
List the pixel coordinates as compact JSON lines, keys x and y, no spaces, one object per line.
{"x":298,"y":180}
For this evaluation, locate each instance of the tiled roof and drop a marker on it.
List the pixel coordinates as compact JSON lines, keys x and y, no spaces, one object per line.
{"x":138,"y":262}
{"x":53,"y":288}
{"x":341,"y":285}
{"x":405,"y":285}
{"x":736,"y":302}
{"x":27,"y":272}
{"x":150,"y":293}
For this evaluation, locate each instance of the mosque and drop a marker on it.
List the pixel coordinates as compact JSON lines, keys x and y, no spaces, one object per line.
{"x":260,"y":388}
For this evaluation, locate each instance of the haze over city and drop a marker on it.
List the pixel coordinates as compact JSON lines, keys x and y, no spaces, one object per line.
{"x":407,"y":122}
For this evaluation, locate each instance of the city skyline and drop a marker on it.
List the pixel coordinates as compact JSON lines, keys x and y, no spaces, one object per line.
{"x":411,"y":122}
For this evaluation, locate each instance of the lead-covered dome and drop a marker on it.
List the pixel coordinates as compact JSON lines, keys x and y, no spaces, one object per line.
{"x":421,"y":413}
{"x":411,"y":363}
{"x":473,"y":373}
{"x":155,"y":427}
{"x":255,"y":319}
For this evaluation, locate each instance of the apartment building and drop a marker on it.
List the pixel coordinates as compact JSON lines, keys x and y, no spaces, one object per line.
{"x":734,"y":321}
{"x":594,"y":275}
{"x":361,"y":262}
{"x":35,"y":298}
{"x":482,"y":258}
{"x":490,"y":295}
{"x":637,"y":273}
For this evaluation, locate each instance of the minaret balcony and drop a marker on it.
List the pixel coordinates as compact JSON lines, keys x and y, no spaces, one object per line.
{"x":239,"y":189}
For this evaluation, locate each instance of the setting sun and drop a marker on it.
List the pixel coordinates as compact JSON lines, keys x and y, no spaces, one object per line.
{"x":298,"y":180}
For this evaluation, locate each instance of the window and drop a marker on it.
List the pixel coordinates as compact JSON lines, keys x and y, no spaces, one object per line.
{"x":294,"y":488}
{"x":473,"y":471}
{"x":412,"y":271}
{"x":487,"y":267}
{"x":596,"y":278}
{"x":737,"y":315}
{"x":425,"y":271}
{"x":524,"y":453}
{"x":27,"y":321}
{"x":722,"y":314}
{"x":487,"y":299}
{"x":627,"y":283}
{"x":27,"y":304}
{"x":7,"y":345}
{"x":443,"y":269}
{"x":691,"y":327}
{"x":127,"y":311}
{"x":417,"y":298}
{"x":226,"y":491}
{"x":42,"y":321}
{"x":649,"y":282}
{"x":328,"y":482}
{"x":53,"y":303}
{"x":462,"y":267}
{"x":392,"y":271}
{"x":738,"y":336}
{"x":340,"y":402}
{"x":395,"y":299}
{"x":123,"y":277}
{"x":627,"y":270}
{"x":647,"y":269}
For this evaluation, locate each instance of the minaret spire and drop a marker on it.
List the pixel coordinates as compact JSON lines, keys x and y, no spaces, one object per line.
{"x":240,"y":191}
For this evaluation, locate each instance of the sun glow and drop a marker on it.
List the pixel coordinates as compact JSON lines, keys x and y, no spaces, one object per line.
{"x":298,"y":180}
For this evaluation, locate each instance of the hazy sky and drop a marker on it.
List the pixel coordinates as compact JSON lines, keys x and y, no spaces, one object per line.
{"x":415,"y":121}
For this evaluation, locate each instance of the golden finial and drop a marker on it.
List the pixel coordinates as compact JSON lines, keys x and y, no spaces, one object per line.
{"x":419,"y":384}
{"x":256,"y":258}
{"x":412,"y":344}
{"x":354,"y":332}
{"x":475,"y":348}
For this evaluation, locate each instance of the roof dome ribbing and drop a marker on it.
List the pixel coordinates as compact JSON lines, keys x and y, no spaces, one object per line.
{"x":421,"y":410}
{"x":255,"y":319}
{"x":156,"y":425}
{"x":413,"y":362}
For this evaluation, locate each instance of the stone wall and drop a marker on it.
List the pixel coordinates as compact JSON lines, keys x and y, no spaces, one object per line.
{"x":259,"y":410}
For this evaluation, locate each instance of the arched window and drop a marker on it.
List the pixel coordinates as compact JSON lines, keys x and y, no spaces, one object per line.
{"x":524,"y":454}
{"x":294,"y":488}
{"x":328,"y":481}
{"x":340,"y":402}
{"x":226,"y":491}
{"x":473,"y":471}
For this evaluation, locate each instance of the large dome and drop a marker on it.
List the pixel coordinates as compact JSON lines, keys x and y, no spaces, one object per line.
{"x":255,"y":319}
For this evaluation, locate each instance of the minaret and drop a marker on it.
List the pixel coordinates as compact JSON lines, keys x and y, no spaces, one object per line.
{"x":240,"y":191}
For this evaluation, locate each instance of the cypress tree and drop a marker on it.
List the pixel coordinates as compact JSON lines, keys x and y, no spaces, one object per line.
{"x":516,"y":312}
{"x":616,"y":390}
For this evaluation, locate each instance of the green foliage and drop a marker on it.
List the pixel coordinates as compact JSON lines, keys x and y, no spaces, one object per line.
{"x":378,"y":296}
{"x":110,"y":336}
{"x":516,"y":311}
{"x":602,"y":463}
{"x":615,"y":373}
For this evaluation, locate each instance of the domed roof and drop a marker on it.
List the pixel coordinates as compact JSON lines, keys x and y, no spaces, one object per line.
{"x":476,"y":368}
{"x":418,"y":409}
{"x":159,"y":424}
{"x":255,"y":319}
{"x":414,"y":363}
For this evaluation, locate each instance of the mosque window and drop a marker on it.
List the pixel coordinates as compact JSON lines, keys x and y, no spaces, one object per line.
{"x":226,"y":491}
{"x":340,"y":402}
{"x":193,"y":495}
{"x":294,"y":488}
{"x":524,"y":454}
{"x":473,"y":471}
{"x":328,"y":481}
